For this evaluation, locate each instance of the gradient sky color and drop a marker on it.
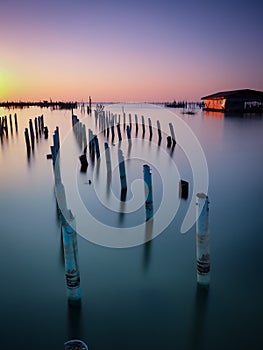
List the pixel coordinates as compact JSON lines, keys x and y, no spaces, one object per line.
{"x":115,"y":50}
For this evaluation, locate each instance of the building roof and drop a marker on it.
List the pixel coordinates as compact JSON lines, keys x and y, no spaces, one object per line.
{"x":243,"y":93}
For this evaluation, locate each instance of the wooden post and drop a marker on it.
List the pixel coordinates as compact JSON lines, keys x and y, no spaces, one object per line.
{"x":172,"y":133}
{"x":119,"y":132}
{"x":143,"y":126}
{"x":107,"y":156}
{"x":148,"y":191}
{"x":11,"y":123}
{"x":130,"y":120}
{"x":27,"y":140}
{"x":124,"y":120}
{"x":16,"y":126}
{"x":89,"y":105}
{"x":183,"y":189}
{"x":202,"y":240}
{"x":97,"y":148}
{"x":150,"y":128}
{"x":129,"y":133}
{"x":136,"y":124}
{"x":169,"y":141}
{"x":122,"y":171}
{"x":84,"y":138}
{"x":71,"y":258}
{"x":36,"y":127}
{"x":84,"y":162}
{"x":159,"y":132}
{"x":32,"y":136}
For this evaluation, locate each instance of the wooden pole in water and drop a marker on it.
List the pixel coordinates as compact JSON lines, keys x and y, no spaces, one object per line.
{"x":148,"y":191}
{"x":122,"y":171}
{"x":16,"y":126}
{"x":71,"y":258}
{"x":97,"y":148}
{"x":159,"y":132}
{"x":36,"y":128}
{"x":202,"y":240}
{"x":172,"y":133}
{"x":124,"y":120}
{"x":119,"y":132}
{"x":11,"y":123}
{"x":150,"y":128}
{"x":27,"y":140}
{"x":32,"y":136}
{"x":107,"y":156}
{"x":129,"y":133}
{"x":143,"y":126}
{"x":136,"y":124}
{"x":130,"y":120}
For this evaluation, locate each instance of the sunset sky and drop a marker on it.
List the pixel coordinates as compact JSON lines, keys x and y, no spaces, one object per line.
{"x":138,"y":50}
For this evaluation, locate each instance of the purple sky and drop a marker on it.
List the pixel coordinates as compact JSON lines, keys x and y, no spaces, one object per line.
{"x":129,"y":50}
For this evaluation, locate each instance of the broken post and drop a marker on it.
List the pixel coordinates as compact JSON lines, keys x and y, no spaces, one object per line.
{"x":16,"y":126}
{"x":183,"y":189}
{"x":119,"y":132}
{"x":148,"y":191}
{"x":136,"y":124}
{"x":32,"y":136}
{"x":172,"y":133}
{"x":27,"y":140}
{"x":97,"y":147}
{"x":202,"y":240}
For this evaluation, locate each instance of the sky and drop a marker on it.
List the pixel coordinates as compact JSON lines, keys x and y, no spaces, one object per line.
{"x":129,"y":51}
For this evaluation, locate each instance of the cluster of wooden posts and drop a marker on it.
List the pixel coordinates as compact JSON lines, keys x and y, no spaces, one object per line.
{"x":4,"y":128}
{"x":68,"y":227}
{"x":34,"y":132}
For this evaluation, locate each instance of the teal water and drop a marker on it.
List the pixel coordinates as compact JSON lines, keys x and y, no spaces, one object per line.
{"x":143,"y":297}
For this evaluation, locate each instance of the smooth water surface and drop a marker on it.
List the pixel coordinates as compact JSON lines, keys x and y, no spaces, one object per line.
{"x":142,"y":297}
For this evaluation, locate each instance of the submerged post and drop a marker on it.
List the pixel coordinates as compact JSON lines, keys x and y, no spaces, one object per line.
{"x":32,"y":136}
{"x":148,"y":191}
{"x":97,"y":147}
{"x":122,"y":171}
{"x":202,"y":240}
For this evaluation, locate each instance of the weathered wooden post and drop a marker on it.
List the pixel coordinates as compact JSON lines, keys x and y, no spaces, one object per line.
{"x":16,"y":125}
{"x":202,"y":240}
{"x":172,"y":133}
{"x":71,"y":258}
{"x":32,"y":136}
{"x":130,"y":121}
{"x":183,"y":189}
{"x":1,"y":128}
{"x":36,"y":127}
{"x":159,"y":132}
{"x":124,"y":120}
{"x":84,"y":138}
{"x":84,"y":162}
{"x":107,"y":156}
{"x":89,"y":105}
{"x":169,"y":141}
{"x":150,"y":128}
{"x":97,"y":147}
{"x":39,"y":124}
{"x":112,"y":132}
{"x":136,"y":124}
{"x":143,"y":126}
{"x":119,"y":132}
{"x":129,"y":133}
{"x":122,"y":171}
{"x":11,"y":123}
{"x":46,"y":132}
{"x":148,"y":191}
{"x":27,"y":140}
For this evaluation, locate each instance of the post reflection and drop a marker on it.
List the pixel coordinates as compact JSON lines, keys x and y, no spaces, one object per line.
{"x":148,"y":243}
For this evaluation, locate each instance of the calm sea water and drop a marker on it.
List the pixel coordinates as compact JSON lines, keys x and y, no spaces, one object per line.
{"x":142,"y":297}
